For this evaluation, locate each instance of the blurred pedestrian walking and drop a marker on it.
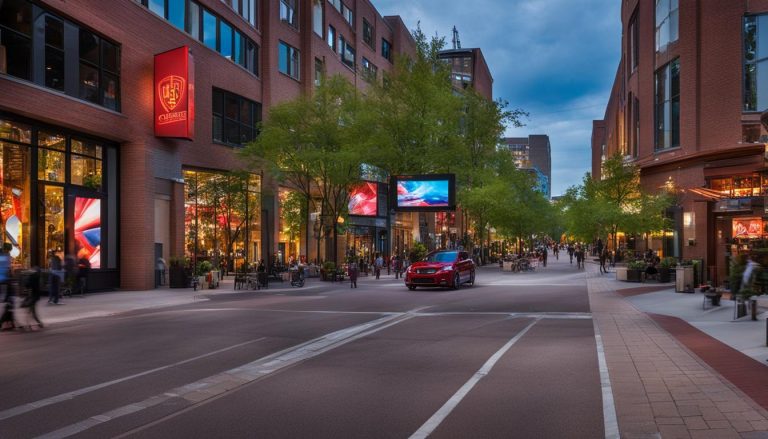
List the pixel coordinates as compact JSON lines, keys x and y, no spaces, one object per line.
{"x":353,"y":273}
{"x":377,"y":265}
{"x":54,"y":277}
{"x":32,"y":284}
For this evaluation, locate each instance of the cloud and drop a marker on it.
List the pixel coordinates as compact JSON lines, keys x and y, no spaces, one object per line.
{"x":554,"y":58}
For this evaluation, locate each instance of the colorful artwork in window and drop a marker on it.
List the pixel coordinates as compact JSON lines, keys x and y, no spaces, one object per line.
{"x":747,"y":227}
{"x":88,"y":230}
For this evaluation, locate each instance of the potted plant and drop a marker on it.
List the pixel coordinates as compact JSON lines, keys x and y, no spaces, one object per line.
{"x":177,"y":275}
{"x":328,"y":270}
{"x":665,"y":269}
{"x":635,"y":271}
{"x":202,"y":271}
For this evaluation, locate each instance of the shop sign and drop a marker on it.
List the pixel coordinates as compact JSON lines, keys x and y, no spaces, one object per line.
{"x":747,"y":227}
{"x":175,"y":94}
{"x":733,"y":205}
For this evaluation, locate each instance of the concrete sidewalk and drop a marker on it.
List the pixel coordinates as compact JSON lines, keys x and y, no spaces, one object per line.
{"x":118,"y":302}
{"x":660,"y":387}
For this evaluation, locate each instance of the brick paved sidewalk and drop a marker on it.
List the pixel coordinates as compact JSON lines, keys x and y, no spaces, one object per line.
{"x":660,"y":388}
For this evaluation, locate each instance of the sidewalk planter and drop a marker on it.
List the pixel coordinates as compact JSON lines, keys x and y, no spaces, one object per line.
{"x":177,"y":278}
{"x":664,"y":274}
{"x":621,"y":273}
{"x":634,"y":275}
{"x":683,"y":278}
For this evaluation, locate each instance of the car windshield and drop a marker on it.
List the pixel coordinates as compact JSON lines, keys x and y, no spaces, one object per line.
{"x":442,"y":257}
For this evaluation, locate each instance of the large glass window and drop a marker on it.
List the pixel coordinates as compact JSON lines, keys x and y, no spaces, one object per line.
{"x":369,"y":35}
{"x":317,"y":18}
{"x":16,"y":37}
{"x":288,"y":12}
{"x":634,"y":42}
{"x":54,"y":53}
{"x":65,"y":217}
{"x":348,"y":15}
{"x":235,"y":118}
{"x":668,"y":106}
{"x":667,"y":14}
{"x":332,"y":38}
{"x":222,"y":218}
{"x":756,"y":63}
{"x":288,"y":60}
{"x":370,"y":71}
{"x":347,"y":52}
{"x":386,"y":49}
{"x":246,"y":8}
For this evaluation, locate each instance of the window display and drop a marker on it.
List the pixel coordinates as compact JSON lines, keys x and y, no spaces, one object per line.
{"x":88,"y":230}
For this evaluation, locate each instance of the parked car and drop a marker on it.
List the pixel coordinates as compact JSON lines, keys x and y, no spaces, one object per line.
{"x":444,"y":268}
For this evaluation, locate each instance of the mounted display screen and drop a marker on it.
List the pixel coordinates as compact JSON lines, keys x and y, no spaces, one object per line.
{"x":424,"y":193}
{"x":364,"y":200}
{"x":88,"y":230}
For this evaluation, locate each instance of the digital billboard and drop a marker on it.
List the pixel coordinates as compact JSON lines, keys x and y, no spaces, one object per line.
{"x":364,"y":200}
{"x":88,"y":230}
{"x":424,"y":193}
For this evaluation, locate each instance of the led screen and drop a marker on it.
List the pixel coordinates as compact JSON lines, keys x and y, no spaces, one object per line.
{"x":424,"y":192}
{"x":363,"y":199}
{"x":88,"y":230}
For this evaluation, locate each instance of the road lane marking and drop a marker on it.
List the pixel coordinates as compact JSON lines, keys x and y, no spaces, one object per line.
{"x":439,"y":416}
{"x":15,"y":411}
{"x":609,"y":408}
{"x":208,"y":388}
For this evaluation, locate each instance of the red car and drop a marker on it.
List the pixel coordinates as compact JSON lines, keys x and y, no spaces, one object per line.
{"x":445,"y":268}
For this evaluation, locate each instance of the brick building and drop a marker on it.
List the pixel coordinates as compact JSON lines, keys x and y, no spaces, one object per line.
{"x":82,"y":169}
{"x":685,"y":107}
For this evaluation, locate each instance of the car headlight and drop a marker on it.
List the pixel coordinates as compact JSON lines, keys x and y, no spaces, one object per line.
{"x":447,"y":268}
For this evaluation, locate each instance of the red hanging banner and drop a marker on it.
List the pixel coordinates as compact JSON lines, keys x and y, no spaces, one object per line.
{"x":175,"y":94}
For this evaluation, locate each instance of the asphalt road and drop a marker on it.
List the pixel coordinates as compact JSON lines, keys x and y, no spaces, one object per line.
{"x":513,"y":356}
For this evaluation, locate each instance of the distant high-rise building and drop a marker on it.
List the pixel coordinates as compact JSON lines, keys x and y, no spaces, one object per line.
{"x":533,"y":152}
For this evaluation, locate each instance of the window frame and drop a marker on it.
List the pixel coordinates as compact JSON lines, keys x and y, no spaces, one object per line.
{"x":293,"y":54}
{"x":386,"y":54}
{"x":668,"y":20}
{"x":290,"y":6}
{"x":667,"y":104}
{"x":221,"y":113}
{"x":372,"y":43}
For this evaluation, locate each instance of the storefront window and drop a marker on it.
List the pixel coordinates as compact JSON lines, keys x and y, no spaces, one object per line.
{"x":51,"y":222}
{"x":65,"y":217}
{"x":222,"y":217}
{"x":14,"y":200}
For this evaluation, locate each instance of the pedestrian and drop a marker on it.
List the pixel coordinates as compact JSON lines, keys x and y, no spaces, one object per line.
{"x":578,"y":252}
{"x":377,"y":265}
{"x":603,"y":259}
{"x":32,"y":283}
{"x":571,"y":250}
{"x":544,"y":252}
{"x":353,"y":273}
{"x":54,"y":277}
{"x":8,"y":318}
{"x":599,"y":246}
{"x":398,"y":267}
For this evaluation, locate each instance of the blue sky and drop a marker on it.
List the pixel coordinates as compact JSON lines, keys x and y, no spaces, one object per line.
{"x":555,"y":59}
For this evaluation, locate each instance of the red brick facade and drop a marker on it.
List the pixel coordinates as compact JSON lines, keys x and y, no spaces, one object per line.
{"x":150,"y":167}
{"x":717,"y":137}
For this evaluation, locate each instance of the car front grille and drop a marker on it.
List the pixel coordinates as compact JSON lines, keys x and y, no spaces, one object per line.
{"x":426,"y":271}
{"x":423,"y":281}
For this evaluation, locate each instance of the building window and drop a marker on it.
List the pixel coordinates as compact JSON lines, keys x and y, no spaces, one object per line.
{"x":211,"y":30}
{"x":636,"y":127}
{"x":332,"y":38}
{"x":634,"y":40}
{"x":336,"y":4}
{"x":288,"y":13}
{"x":370,"y":71}
{"x":756,"y":62}
{"x":99,"y":64}
{"x":369,"y":35}
{"x":668,"y":106}
{"x":319,"y":71}
{"x":245,"y":8}
{"x":667,"y":14}
{"x":348,"y":14}
{"x":288,"y":60}
{"x":235,"y":118}
{"x":461,"y":71}
{"x":54,"y":53}
{"x":95,"y":76}
{"x":386,"y":49}
{"x":317,"y":17}
{"x":347,"y":52}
